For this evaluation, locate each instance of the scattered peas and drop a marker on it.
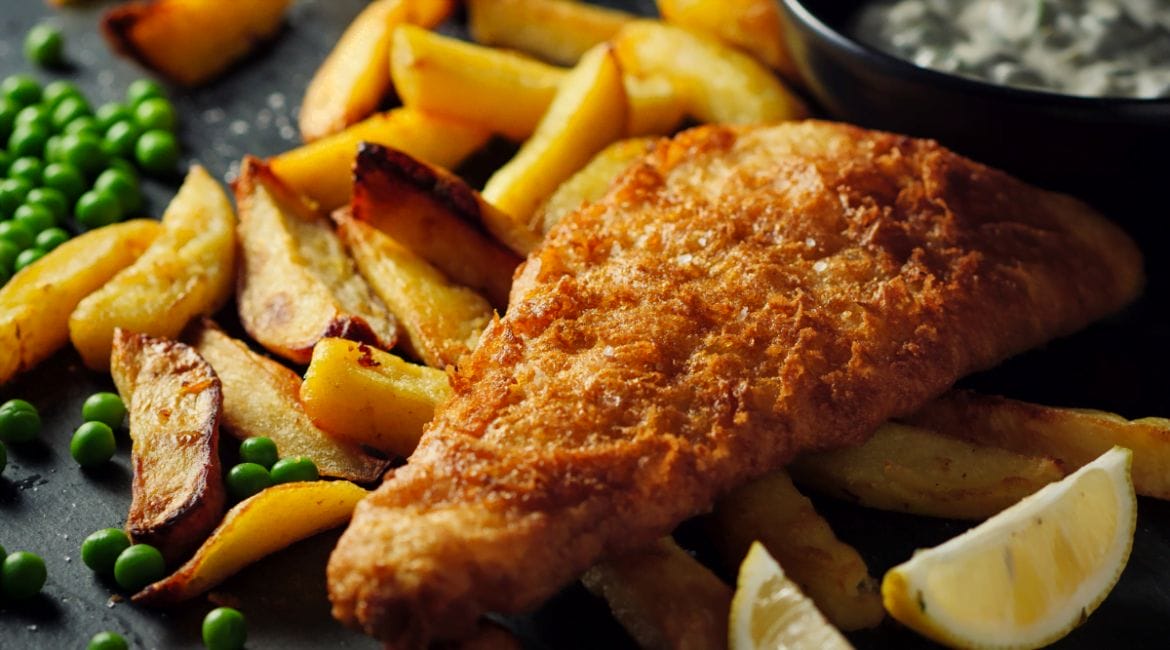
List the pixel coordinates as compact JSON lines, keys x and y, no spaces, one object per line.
{"x":83,"y":151}
{"x":50,"y":238}
{"x":53,"y":149}
{"x":22,"y":575}
{"x":44,"y":45}
{"x":27,"y":140}
{"x":52,"y":200}
{"x":26,"y":257}
{"x":8,"y":111}
{"x":96,"y":209}
{"x":260,"y":450}
{"x":19,"y":422}
{"x":101,"y":549}
{"x":8,"y":253}
{"x":21,"y":89}
{"x":84,"y":124}
{"x":92,"y":444}
{"x":157,"y":152}
{"x":107,"y":641}
{"x":55,"y":91}
{"x":34,"y":217}
{"x":35,"y":114}
{"x":224,"y":628}
{"x":69,"y":109}
{"x":28,"y":169}
{"x":247,"y":479}
{"x":138,"y":566}
{"x":17,"y":234}
{"x":155,"y":113}
{"x":138,"y":91}
{"x":64,"y":178}
{"x":13,"y":192}
{"x":121,"y":186}
{"x":111,"y":113}
{"x":297,"y":468}
{"x":121,"y":137}
{"x":106,"y":408}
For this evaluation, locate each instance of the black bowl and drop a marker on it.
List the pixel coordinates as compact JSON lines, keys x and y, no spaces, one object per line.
{"x":1096,"y":148}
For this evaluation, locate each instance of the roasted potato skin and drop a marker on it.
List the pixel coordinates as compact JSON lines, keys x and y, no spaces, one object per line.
{"x":262,"y":398}
{"x":175,"y":401}
{"x":288,"y":296}
{"x":36,"y":303}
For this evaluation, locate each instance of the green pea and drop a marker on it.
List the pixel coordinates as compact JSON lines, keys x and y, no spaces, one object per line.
{"x":13,"y":192}
{"x":21,"y":89}
{"x":8,"y":253}
{"x":111,"y":113}
{"x":121,"y":137}
{"x":124,"y":166}
{"x":3,"y":464}
{"x":23,"y":575}
{"x":26,"y":257}
{"x":155,"y":113}
{"x":143,"y":89}
{"x":34,"y":217}
{"x":64,"y":178}
{"x":84,"y":124}
{"x":260,"y":450}
{"x":68,"y":110}
{"x":50,"y":238}
{"x":8,"y":111}
{"x":18,"y":405}
{"x":5,"y":162}
{"x":44,"y":45}
{"x":157,"y":152}
{"x":96,"y":209}
{"x":107,"y":641}
{"x":55,"y":91}
{"x":101,"y":549}
{"x":53,"y":200}
{"x":35,"y":114}
{"x":224,"y":628}
{"x":297,"y":468}
{"x":106,"y":408}
{"x":27,"y":168}
{"x":92,"y":444}
{"x":247,"y":479}
{"x":28,"y":140}
{"x":83,"y":151}
{"x":122,"y":186}
{"x":53,"y":149}
{"x":138,"y":566}
{"x":17,"y":234}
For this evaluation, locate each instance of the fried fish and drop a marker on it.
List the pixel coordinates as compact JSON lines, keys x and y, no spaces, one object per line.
{"x":739,"y":296}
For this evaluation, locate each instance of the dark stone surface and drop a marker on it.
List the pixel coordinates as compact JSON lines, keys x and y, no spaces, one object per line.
{"x":48,"y":505}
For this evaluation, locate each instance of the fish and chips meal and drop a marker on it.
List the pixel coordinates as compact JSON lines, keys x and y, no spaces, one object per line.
{"x":684,"y":298}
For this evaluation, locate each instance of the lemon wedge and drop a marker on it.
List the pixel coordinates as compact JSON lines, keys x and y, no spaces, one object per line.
{"x":1027,"y":576}
{"x":769,"y":612}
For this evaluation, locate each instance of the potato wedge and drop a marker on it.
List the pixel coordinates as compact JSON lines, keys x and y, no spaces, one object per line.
{"x":664,"y":598}
{"x":320,"y":170}
{"x":587,"y":114}
{"x":296,"y":284}
{"x":498,"y":90}
{"x":553,"y":30}
{"x":716,"y":82}
{"x":191,"y":41}
{"x":187,"y":271}
{"x":353,"y":79}
{"x":655,"y":105}
{"x":1072,"y":436}
{"x":370,"y":397}
{"x":751,"y":25}
{"x":436,"y":215}
{"x":908,"y":469}
{"x":830,"y":572}
{"x":258,"y":526}
{"x":442,"y":321}
{"x":36,"y":303}
{"x":174,"y":399}
{"x":593,"y":180}
{"x":262,"y":398}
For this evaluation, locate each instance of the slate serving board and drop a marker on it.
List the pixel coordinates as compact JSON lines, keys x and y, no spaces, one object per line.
{"x":48,"y":505}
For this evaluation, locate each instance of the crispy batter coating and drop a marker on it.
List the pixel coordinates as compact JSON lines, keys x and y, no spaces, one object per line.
{"x":741,"y":295}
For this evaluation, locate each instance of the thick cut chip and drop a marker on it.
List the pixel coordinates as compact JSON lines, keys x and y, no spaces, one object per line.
{"x":262,"y":398}
{"x":258,"y":526}
{"x":553,"y":30}
{"x":587,"y":114}
{"x":174,"y":399}
{"x":592,"y":181}
{"x":752,"y":25}
{"x":321,"y":170}
{"x":192,"y":41}
{"x":442,"y":321}
{"x":370,"y":397}
{"x":186,"y":272}
{"x":353,"y":79}
{"x":36,"y":303}
{"x":436,"y":215}
{"x":296,"y":283}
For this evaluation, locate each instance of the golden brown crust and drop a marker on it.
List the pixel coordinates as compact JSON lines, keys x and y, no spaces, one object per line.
{"x":741,"y":295}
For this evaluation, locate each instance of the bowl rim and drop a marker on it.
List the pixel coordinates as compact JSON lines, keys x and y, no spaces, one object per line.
{"x":897,"y":65}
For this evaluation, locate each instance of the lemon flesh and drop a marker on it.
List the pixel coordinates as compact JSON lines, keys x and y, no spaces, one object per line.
{"x":770,"y":612}
{"x":1027,"y":576}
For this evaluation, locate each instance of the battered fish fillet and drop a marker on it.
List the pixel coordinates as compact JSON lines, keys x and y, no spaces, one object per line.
{"x":740,"y":296}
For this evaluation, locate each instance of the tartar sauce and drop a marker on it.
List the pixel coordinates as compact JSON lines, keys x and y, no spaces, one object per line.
{"x":1095,"y":48}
